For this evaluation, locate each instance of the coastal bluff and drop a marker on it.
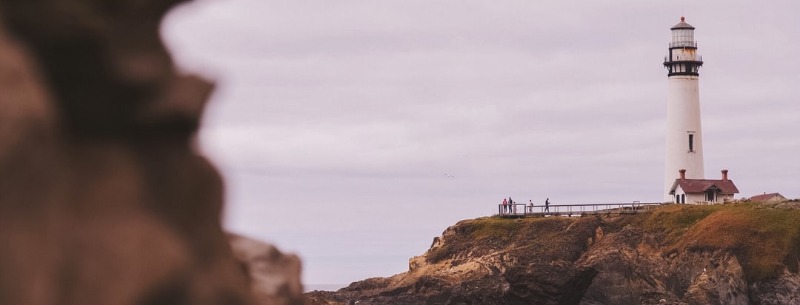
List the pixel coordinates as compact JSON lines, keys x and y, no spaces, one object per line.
{"x":741,"y":253}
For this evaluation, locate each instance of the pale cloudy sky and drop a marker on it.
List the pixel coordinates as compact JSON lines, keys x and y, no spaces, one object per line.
{"x":337,"y":124}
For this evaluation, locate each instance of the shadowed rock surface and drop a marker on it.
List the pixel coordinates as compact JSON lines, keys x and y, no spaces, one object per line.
{"x":103,"y":197}
{"x":724,"y":254}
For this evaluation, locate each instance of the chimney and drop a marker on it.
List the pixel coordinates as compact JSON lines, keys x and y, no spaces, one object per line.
{"x":683,"y":174}
{"x":724,"y":175}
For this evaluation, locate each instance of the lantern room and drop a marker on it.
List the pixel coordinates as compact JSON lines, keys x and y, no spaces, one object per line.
{"x":683,"y":35}
{"x":683,"y":59}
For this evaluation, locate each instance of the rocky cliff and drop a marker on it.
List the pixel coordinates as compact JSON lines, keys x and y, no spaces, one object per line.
{"x":743,"y":253}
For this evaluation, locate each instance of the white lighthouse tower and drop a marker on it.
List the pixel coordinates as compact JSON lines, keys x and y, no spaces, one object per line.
{"x":684,"y":133}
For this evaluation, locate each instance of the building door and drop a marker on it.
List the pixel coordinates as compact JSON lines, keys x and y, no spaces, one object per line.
{"x":710,"y":196}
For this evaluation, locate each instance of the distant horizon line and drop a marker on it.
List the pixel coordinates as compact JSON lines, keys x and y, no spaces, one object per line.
{"x":323,"y":287}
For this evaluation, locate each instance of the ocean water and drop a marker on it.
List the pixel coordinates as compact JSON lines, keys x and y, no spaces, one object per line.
{"x":323,"y":287}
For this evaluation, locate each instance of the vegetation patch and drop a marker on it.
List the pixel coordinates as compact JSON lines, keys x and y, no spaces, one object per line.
{"x":674,"y":220}
{"x":764,"y":239}
{"x":495,"y":227}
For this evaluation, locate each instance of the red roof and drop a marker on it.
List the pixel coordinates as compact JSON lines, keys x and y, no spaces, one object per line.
{"x":693,"y":186}
{"x":766,"y":197}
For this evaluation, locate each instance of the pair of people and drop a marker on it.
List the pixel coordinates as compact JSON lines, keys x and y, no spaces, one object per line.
{"x":508,"y":206}
{"x":546,"y":205}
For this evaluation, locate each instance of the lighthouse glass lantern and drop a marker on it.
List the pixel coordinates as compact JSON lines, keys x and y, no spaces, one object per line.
{"x":683,"y":37}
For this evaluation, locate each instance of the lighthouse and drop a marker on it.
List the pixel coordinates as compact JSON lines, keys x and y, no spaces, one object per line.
{"x":684,"y":150}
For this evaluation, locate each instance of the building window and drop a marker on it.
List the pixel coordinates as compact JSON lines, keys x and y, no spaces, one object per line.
{"x":691,"y":142}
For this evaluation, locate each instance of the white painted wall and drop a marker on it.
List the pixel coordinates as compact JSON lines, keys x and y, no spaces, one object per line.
{"x":683,"y":119}
{"x":690,"y":198}
{"x":696,"y":198}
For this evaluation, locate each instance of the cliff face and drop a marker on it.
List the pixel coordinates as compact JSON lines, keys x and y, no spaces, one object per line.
{"x":731,"y":254}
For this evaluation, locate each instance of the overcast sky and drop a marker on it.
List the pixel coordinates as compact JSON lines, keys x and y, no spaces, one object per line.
{"x":353,"y":132}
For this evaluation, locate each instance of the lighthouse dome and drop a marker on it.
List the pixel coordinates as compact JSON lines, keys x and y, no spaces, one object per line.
{"x":682,"y":25}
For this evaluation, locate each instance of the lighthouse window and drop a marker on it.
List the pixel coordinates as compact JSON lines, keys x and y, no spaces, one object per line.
{"x":691,"y":142}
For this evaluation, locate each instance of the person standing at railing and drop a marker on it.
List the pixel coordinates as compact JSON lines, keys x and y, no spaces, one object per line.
{"x":510,"y":204}
{"x":547,"y":205}
{"x":530,"y":206}
{"x":505,"y":206}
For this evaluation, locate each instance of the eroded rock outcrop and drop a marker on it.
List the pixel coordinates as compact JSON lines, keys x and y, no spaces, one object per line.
{"x":103,"y":197}
{"x":274,"y":276}
{"x":726,"y":254}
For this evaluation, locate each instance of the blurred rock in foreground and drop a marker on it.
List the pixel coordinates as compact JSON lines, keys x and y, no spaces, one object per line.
{"x":103,"y":196}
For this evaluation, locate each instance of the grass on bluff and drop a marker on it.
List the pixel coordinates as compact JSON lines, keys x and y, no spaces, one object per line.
{"x":764,"y":238}
{"x":495,"y":227}
{"x":675,"y":220}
